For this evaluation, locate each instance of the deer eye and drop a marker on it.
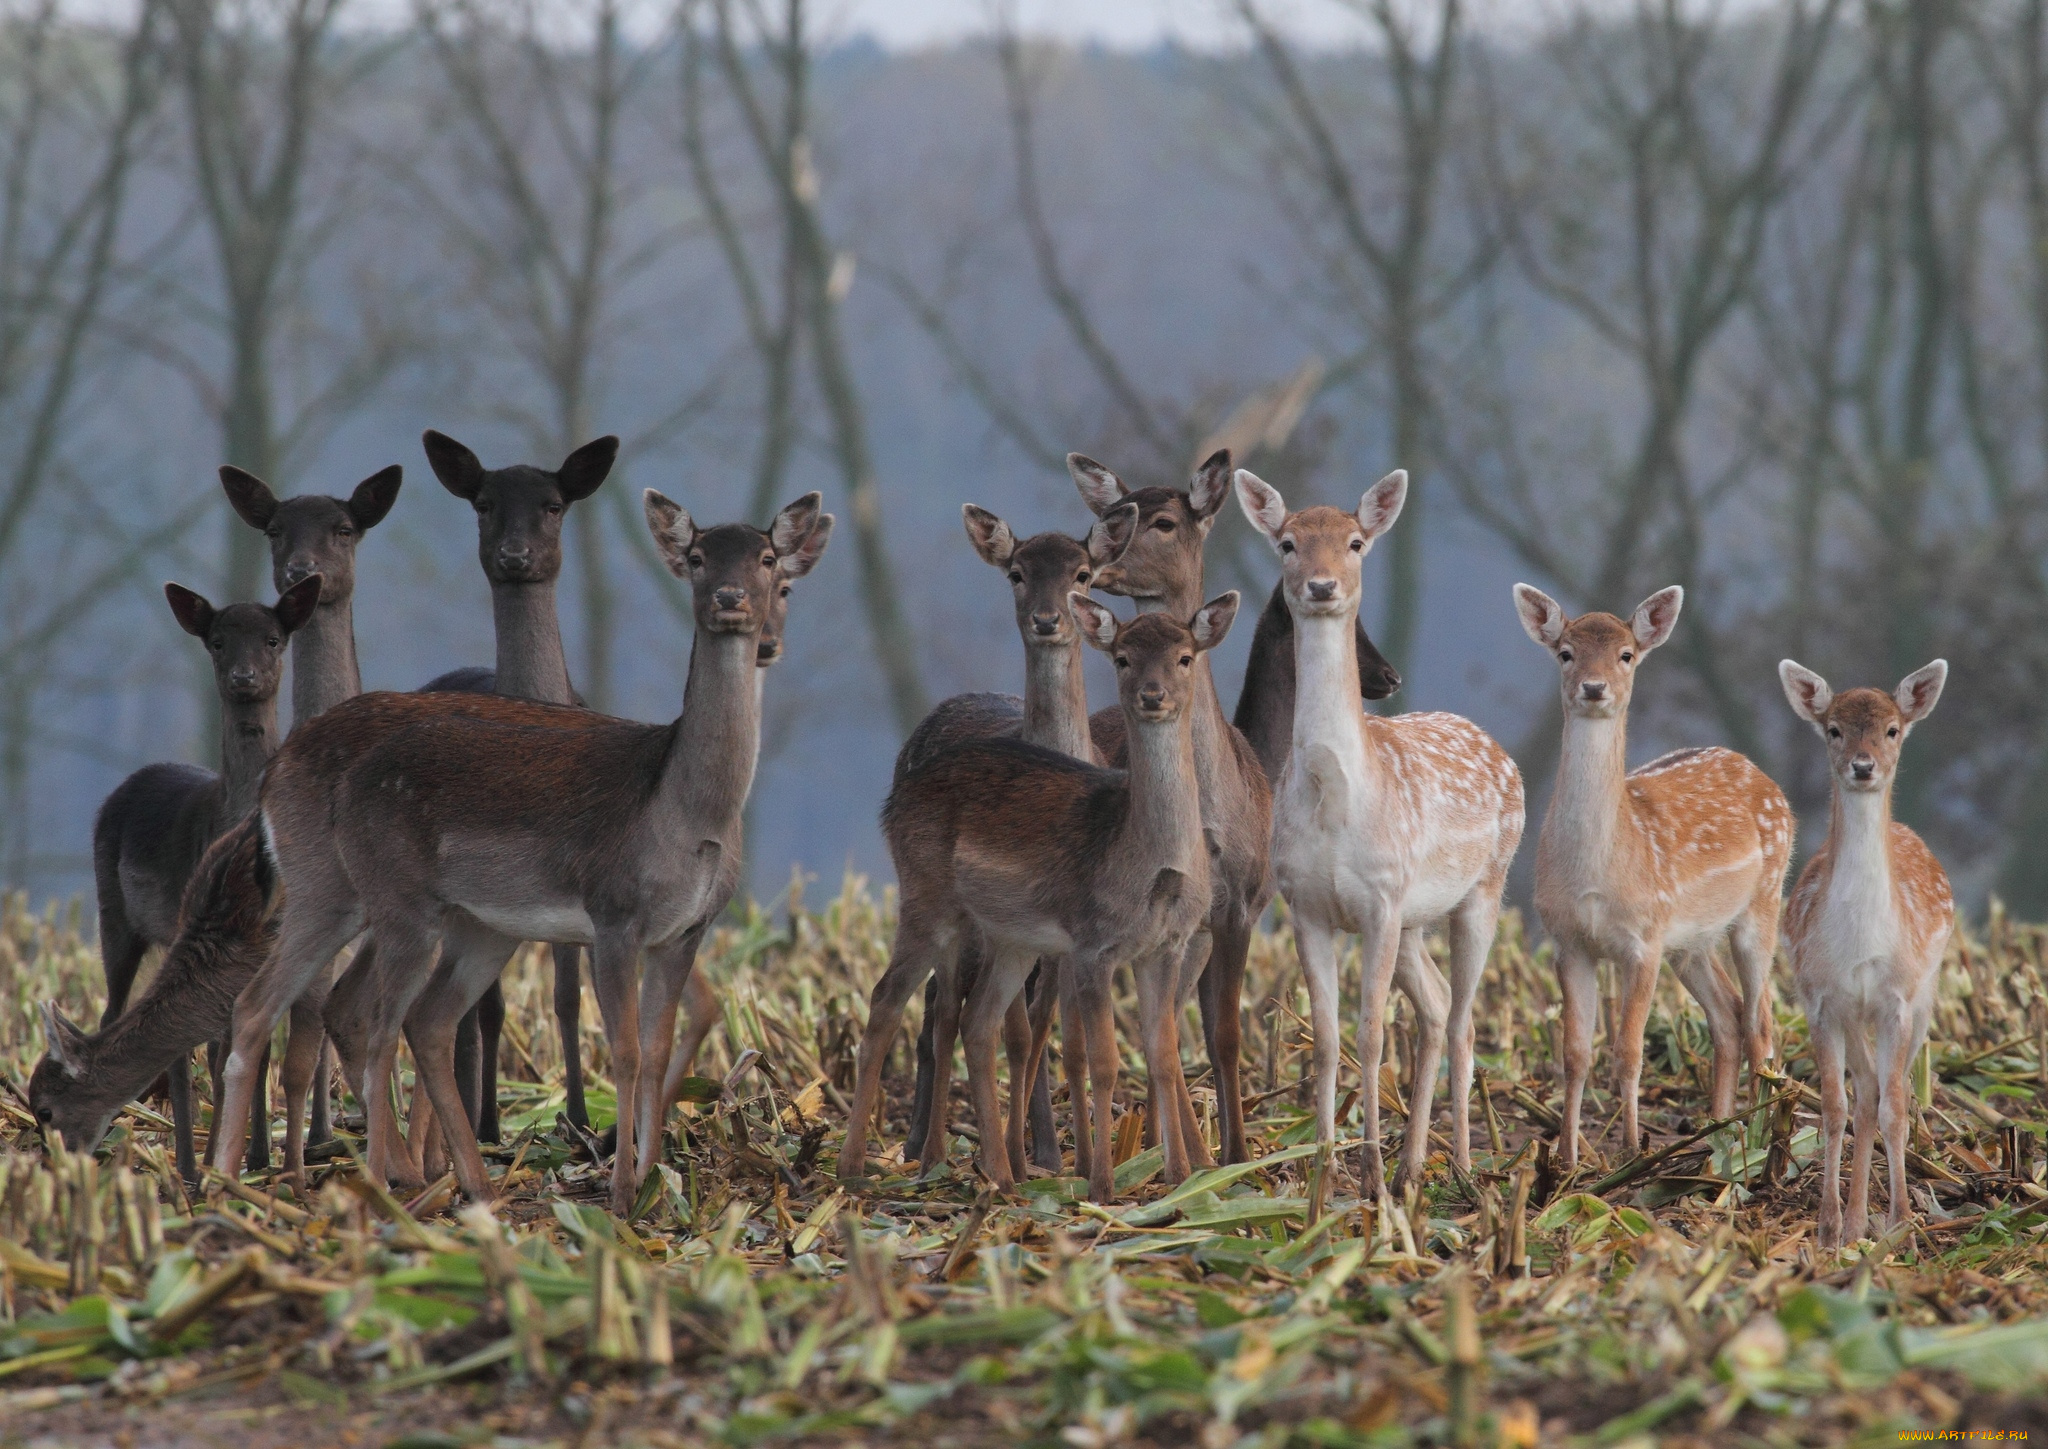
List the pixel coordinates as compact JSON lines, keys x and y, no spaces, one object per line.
{"x":273,"y":532}
{"x":214,"y":645}
{"x":696,"y":560}
{"x":1834,"y":733}
{"x":1564,"y":656}
{"x":272,"y":641}
{"x":1016,"y":576}
{"x":344,"y":531}
{"x":767,"y":560}
{"x":1164,"y":525}
{"x":1287,"y":545}
{"x":1892,"y":733}
{"x":45,"y":1116}
{"x":1358,"y":545}
{"x":1123,"y":662}
{"x":483,"y":507}
{"x":1628,"y":656}
{"x":1081,"y":577}
{"x":1186,"y":660}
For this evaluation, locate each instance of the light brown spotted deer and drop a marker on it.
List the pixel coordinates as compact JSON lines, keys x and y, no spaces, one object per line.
{"x":1677,"y":856}
{"x":1382,"y":827}
{"x":1867,"y":926}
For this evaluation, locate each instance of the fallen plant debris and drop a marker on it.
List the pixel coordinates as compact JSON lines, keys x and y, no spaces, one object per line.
{"x":1674,"y":1297}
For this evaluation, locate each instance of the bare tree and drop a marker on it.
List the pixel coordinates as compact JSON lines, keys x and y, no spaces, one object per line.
{"x":762,"y":56}
{"x":75,"y":111}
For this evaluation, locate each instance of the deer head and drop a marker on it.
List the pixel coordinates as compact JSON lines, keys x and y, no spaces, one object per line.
{"x":1046,"y":567}
{"x":246,"y":641}
{"x":733,"y":569}
{"x":1864,"y":728}
{"x":1597,"y":654}
{"x":1322,"y":548}
{"x":313,"y":534}
{"x":799,"y":563}
{"x":1164,"y":555}
{"x":78,"y":1118}
{"x":1154,"y":654}
{"x":519,"y":510}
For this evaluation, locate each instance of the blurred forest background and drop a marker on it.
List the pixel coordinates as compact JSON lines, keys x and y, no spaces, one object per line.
{"x":1752,"y":298}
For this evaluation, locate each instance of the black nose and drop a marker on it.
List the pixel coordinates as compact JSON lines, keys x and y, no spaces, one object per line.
{"x":1594,"y":689}
{"x":298,"y":570}
{"x":1151,"y":696}
{"x":729,"y":598}
{"x":1045,"y":625}
{"x":241,"y":676}
{"x":1863,"y":769}
{"x":1322,"y":590}
{"x":514,"y":552}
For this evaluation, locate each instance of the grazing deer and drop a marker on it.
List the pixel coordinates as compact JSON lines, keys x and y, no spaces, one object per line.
{"x":152,"y":830}
{"x":1380,"y":826}
{"x":227,"y":928}
{"x":1676,"y":856}
{"x":1053,"y":712}
{"x":1162,"y":570}
{"x":1044,"y":855}
{"x":463,"y":824}
{"x":313,"y":534}
{"x":1866,"y":928}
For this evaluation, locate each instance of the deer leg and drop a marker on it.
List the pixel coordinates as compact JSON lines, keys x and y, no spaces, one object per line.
{"x":1158,"y":982}
{"x":1097,"y":1019}
{"x":996,"y":987}
{"x":614,"y":969}
{"x":409,"y":956}
{"x":1895,"y":1045}
{"x":911,"y":960}
{"x":1041,"y":993}
{"x":320,"y":1121}
{"x":569,"y":1019}
{"x":258,"y":1157}
{"x":927,"y":1060}
{"x":468,"y":1060}
{"x":310,"y":938}
{"x":1753,"y":942}
{"x":301,"y":1059}
{"x":1193,"y":971}
{"x":1834,"y":1113}
{"x":1432,"y":1011}
{"x":700,"y":1008}
{"x":1578,"y":982}
{"x":1472,"y":931}
{"x":1638,"y":974}
{"x":1017,"y":1052}
{"x":1380,"y":952}
{"x":1316,"y":945}
{"x":1864,"y":1082}
{"x":666,"y":971}
{"x":180,"y":1075}
{"x":1710,"y":987}
{"x":1075,"y":1063}
{"x":955,"y":974}
{"x":1223,"y":1026}
{"x":490,"y":1026}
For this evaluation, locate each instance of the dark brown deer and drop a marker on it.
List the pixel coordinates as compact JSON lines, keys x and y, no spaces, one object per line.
{"x":1162,"y":570}
{"x":1053,"y":711}
{"x":315,"y":534}
{"x":463,"y":824}
{"x":226,"y":932}
{"x":152,"y":830}
{"x":1041,"y":855}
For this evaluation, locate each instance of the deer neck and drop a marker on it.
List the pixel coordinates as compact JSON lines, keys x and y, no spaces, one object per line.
{"x":1589,"y":821}
{"x":710,"y":765}
{"x":248,"y":738}
{"x":324,"y":670}
{"x":1056,"y":700}
{"x":1265,"y":705}
{"x":1164,"y":827}
{"x":1860,"y":842}
{"x":1326,"y":712}
{"x":531,"y":664}
{"x":1215,"y":762}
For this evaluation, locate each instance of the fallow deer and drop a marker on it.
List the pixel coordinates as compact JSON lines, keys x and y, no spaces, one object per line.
{"x":1382,"y":827}
{"x":1676,"y":856}
{"x":1162,"y":570}
{"x":1041,"y":855}
{"x":464,"y":824}
{"x":1867,"y":925}
{"x":153,"y":828}
{"x":1053,"y":712}
{"x":307,"y":535}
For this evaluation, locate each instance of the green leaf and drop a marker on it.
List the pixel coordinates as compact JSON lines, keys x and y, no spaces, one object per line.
{"x":1213,"y":1310}
{"x":988,"y":1325}
{"x":700,"y":1089}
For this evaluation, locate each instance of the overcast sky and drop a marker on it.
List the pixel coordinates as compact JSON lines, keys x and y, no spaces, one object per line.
{"x":1125,"y":24}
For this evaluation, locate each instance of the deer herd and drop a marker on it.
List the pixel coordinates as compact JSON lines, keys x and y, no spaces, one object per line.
{"x":1037,"y":848}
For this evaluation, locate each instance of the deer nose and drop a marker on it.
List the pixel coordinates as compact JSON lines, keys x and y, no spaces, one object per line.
{"x":1594,"y":690}
{"x":298,"y":570}
{"x":1863,"y":767}
{"x":1045,"y":625}
{"x":729,"y":597}
{"x":1152,"y":695}
{"x":241,"y":674}
{"x":1322,"y":590}
{"x":514,"y":552}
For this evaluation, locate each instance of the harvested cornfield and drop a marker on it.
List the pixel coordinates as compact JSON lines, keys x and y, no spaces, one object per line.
{"x":1673,"y":1297}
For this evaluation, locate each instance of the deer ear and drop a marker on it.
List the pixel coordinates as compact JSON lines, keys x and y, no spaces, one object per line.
{"x":1805,"y":691}
{"x":1100,"y":489}
{"x":794,"y":524}
{"x":1097,"y":624}
{"x":673,"y":532}
{"x":1655,"y":617}
{"x":1112,"y":534}
{"x":1211,"y":485}
{"x":65,"y":1041}
{"x":1212,"y":621}
{"x":796,"y":565}
{"x":583,"y":470}
{"x":458,"y":469}
{"x":990,"y":536}
{"x":1918,"y":691}
{"x":1542,"y":616}
{"x":1262,"y":504}
{"x":374,"y":496}
{"x":195,"y":615}
{"x":297,"y":603}
{"x":249,"y":495}
{"x":1382,"y":504}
